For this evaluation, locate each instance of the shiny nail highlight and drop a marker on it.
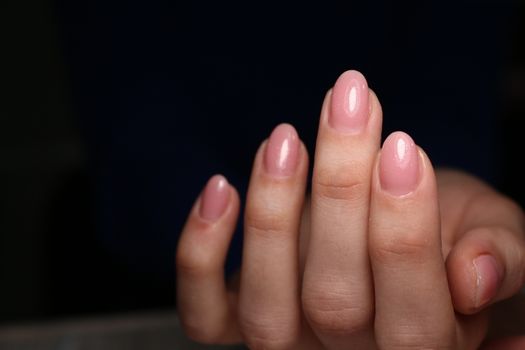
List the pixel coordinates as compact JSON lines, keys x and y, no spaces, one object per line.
{"x":282,"y":151}
{"x":399,"y":164}
{"x":350,"y":110}
{"x":214,"y":198}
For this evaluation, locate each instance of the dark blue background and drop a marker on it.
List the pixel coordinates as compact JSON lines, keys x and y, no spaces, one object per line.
{"x":169,"y":93}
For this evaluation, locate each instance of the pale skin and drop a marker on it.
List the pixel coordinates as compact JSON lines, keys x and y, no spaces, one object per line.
{"x":383,"y":254}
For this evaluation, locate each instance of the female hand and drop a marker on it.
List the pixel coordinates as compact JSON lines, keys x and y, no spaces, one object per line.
{"x":387,"y":258}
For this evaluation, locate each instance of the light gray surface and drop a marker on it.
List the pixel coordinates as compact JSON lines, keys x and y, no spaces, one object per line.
{"x":155,"y":331}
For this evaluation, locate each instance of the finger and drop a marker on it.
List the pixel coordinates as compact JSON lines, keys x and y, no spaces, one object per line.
{"x":413,"y":308}
{"x":337,"y":289}
{"x":202,"y":299}
{"x":485,"y":266}
{"x":269,"y":309}
{"x":486,"y":262}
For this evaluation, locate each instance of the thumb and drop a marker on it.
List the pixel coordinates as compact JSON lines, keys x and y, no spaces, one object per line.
{"x":486,"y":265}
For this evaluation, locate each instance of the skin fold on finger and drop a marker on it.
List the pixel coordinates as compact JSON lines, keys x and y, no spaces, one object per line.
{"x":269,"y":308}
{"x":413,"y":306}
{"x":203,"y":302}
{"x":337,"y":292}
{"x":306,"y":217}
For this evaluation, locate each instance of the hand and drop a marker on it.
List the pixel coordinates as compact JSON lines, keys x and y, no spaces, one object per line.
{"x":376,"y":264}
{"x":477,"y":220}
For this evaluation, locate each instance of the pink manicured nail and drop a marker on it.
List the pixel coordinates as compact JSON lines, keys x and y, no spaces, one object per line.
{"x":488,"y":279}
{"x":350,"y":103}
{"x":282,"y":150}
{"x":399,"y":164}
{"x":214,"y":198}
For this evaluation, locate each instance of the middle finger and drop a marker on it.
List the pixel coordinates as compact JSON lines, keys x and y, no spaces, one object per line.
{"x":337,"y":286}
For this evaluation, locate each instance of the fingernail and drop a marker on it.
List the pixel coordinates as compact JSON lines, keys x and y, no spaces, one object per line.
{"x":399,"y":164}
{"x":488,"y":279}
{"x":215,"y":198}
{"x":350,"y":108}
{"x":282,"y":151}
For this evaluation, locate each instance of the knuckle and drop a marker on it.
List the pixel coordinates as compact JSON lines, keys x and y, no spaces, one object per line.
{"x":338,"y":184}
{"x":268,"y":332}
{"x":335,"y":313}
{"x":401,"y":246}
{"x":191,"y":263}
{"x":265,"y":224}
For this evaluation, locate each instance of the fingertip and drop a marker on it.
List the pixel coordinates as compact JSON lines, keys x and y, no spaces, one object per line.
{"x":464,"y":283}
{"x":474,"y":282}
{"x":215,"y":198}
{"x":201,"y":295}
{"x":208,"y":229}
{"x":403,"y":169}
{"x":489,"y":276}
{"x":480,"y":273}
{"x":399,"y":168}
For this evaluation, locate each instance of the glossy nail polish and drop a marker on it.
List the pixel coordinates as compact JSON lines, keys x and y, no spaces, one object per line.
{"x":349,"y":110}
{"x":399,"y":164}
{"x":214,"y":198}
{"x":282,"y":151}
{"x":488,"y":279}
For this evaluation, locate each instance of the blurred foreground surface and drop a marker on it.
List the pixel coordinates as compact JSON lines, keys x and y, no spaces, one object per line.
{"x":154,"y":330}
{"x":161,"y":330}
